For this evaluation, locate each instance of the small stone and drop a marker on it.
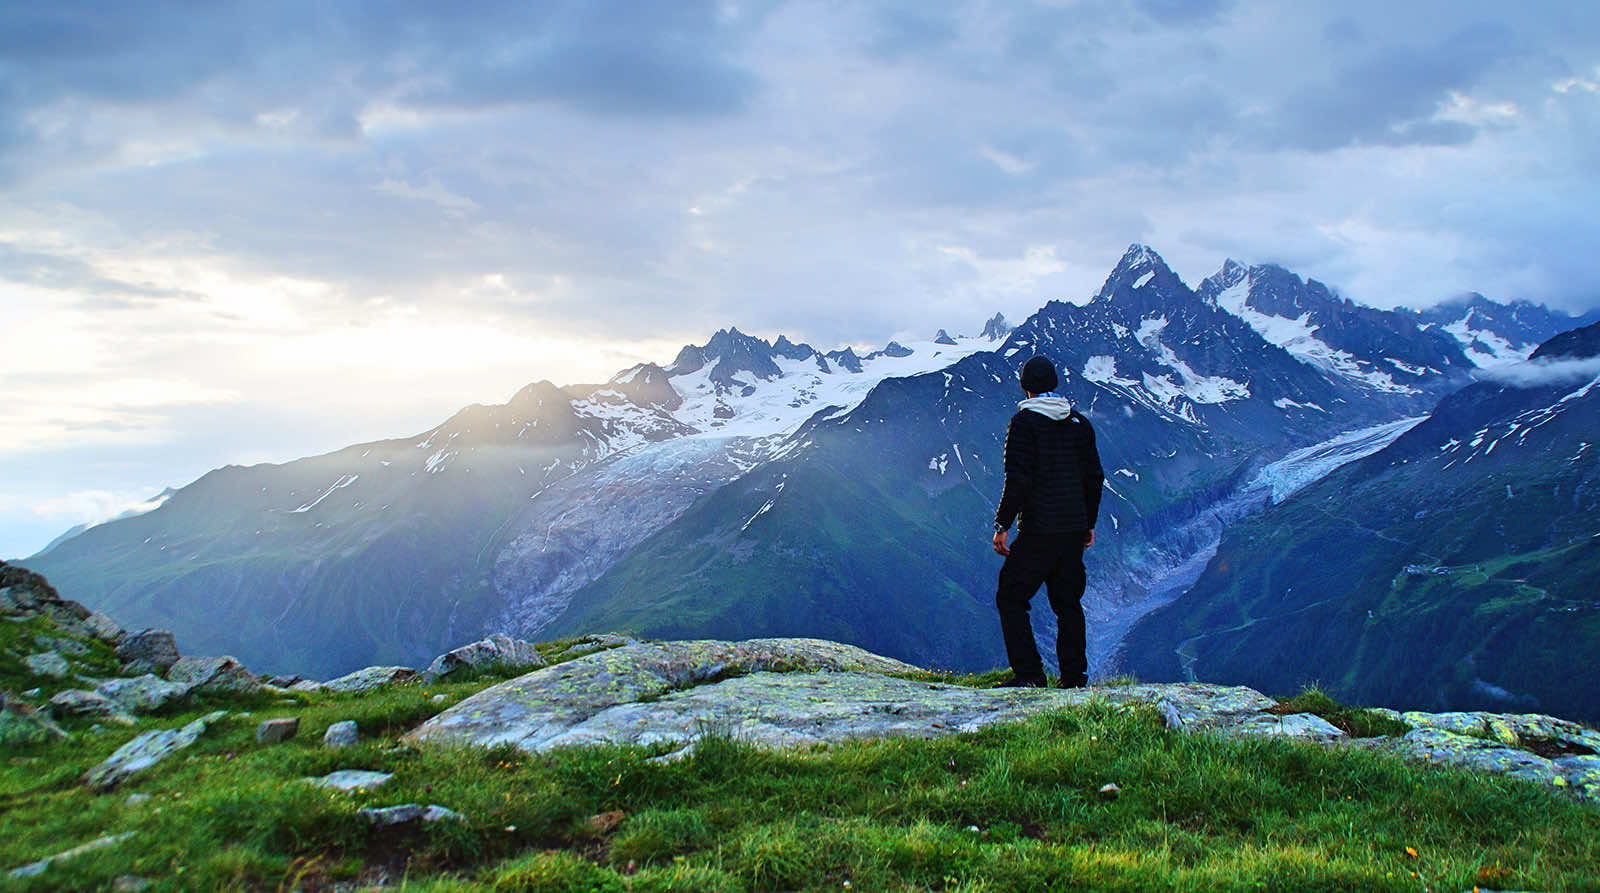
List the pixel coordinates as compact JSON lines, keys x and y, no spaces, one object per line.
{"x":33,"y":693}
{"x":48,"y":663}
{"x":340,"y":734}
{"x":370,"y":678}
{"x":305,"y":686}
{"x":439,"y":698}
{"x":385,"y":816}
{"x":1110,"y":791}
{"x":214,"y":674}
{"x":285,"y":681}
{"x":136,"y":800}
{"x":605,"y":822}
{"x":129,"y":883}
{"x":103,"y":628}
{"x":272,"y":731}
{"x":155,"y":646}
{"x":34,"y":869}
{"x":351,"y":780}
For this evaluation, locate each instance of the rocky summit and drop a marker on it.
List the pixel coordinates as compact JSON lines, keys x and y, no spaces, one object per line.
{"x":785,"y":693}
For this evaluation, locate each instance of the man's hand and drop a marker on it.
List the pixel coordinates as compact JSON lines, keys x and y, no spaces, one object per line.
{"x":1088,"y":538}
{"x":1000,"y":547}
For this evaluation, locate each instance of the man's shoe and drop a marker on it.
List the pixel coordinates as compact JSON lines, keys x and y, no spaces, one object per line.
{"x":1023,"y":682}
{"x":1062,"y":683}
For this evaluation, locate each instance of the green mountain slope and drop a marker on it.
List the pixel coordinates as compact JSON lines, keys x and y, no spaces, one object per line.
{"x":1459,"y":568}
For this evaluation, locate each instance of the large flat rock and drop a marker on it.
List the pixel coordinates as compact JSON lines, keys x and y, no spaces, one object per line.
{"x":777,"y":693}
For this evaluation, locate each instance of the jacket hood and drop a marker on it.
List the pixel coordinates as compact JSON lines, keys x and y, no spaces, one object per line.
{"x":1057,"y":408}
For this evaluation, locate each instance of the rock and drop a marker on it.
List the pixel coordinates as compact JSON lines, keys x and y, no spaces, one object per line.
{"x":77,"y":702}
{"x":385,"y":816}
{"x":23,"y":724}
{"x":1308,"y":726}
{"x":33,"y":693}
{"x":214,"y":674}
{"x":497,"y":650}
{"x":155,"y":647}
{"x":143,"y":694}
{"x":62,"y":645}
{"x":1582,"y":773}
{"x":370,"y":678}
{"x":284,"y":681}
{"x":340,"y":735}
{"x":1110,"y":791}
{"x":1452,"y":749}
{"x":591,"y":644}
{"x":605,"y":822}
{"x":351,"y":780}
{"x":103,"y":628}
{"x":146,"y":750}
{"x":136,"y":800}
{"x":99,"y":843}
{"x":48,"y":663}
{"x":272,"y":731}
{"x":129,"y":883}
{"x":306,"y":685}
{"x":439,"y":698}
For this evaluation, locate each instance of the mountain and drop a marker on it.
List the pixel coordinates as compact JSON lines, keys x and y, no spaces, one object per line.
{"x":1455,"y":568}
{"x":768,"y":488}
{"x":1494,"y":334}
{"x":870,"y":525}
{"x":383,"y":552}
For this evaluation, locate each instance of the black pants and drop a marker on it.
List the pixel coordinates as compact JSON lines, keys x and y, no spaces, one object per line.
{"x":1056,"y":561}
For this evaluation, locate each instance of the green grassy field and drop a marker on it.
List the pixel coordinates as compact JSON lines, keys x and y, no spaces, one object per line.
{"x":1009,"y":808}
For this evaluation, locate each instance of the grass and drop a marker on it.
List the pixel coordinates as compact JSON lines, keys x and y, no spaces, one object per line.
{"x":1355,"y":721}
{"x":1011,"y":807}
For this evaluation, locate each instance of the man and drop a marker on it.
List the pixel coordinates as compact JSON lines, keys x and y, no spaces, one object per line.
{"x":1053,"y":481}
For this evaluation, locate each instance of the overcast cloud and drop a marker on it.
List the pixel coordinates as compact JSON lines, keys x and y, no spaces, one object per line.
{"x":250,"y":232}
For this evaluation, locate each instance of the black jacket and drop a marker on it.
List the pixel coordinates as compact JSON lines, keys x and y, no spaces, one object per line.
{"x":1053,"y":474}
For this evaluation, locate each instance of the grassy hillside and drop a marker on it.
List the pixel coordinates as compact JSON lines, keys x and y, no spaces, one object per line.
{"x":1011,"y":807}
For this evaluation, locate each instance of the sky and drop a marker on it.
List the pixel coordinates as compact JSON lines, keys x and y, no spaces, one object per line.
{"x":243,"y":232}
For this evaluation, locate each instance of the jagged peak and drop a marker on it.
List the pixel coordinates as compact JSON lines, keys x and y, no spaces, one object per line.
{"x":996,"y":328}
{"x":943,"y":338}
{"x":1140,"y":265}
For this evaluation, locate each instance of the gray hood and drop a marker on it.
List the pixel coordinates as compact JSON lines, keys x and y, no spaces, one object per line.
{"x":1056,"y":408}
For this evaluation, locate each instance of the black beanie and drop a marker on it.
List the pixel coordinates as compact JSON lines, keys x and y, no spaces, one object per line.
{"x":1038,"y":376}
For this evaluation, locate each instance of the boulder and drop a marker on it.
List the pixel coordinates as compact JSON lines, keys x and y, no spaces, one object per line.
{"x":272,"y":731}
{"x":62,"y":645}
{"x":340,"y":735}
{"x":22,"y":723}
{"x":103,"y":628}
{"x":77,"y":702}
{"x":214,"y":674}
{"x":497,"y":650}
{"x":148,"y":647}
{"x":143,"y":694}
{"x":306,"y":686}
{"x":370,"y":678}
{"x":48,"y":663}
{"x":352,"y":780}
{"x":144,"y":751}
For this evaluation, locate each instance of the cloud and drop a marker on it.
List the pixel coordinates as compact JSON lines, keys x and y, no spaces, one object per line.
{"x":1543,"y":372}
{"x":345,"y":220}
{"x":92,"y":507}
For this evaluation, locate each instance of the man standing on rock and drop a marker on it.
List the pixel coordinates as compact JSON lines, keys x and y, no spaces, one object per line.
{"x":1053,"y":481}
